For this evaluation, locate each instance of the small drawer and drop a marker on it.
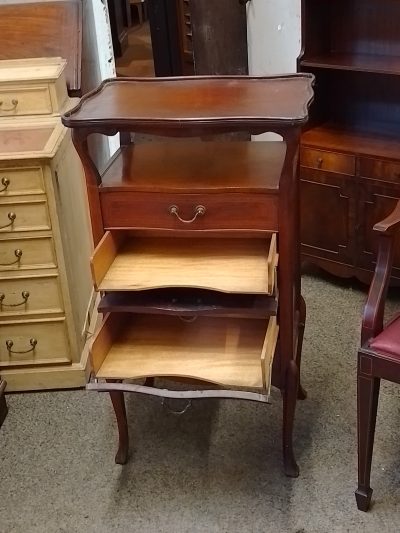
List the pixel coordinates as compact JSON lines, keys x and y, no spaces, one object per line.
{"x":123,"y":263}
{"x":230,"y":352}
{"x":25,"y":296}
{"x":21,"y":181}
{"x":24,"y":216}
{"x":27,"y":253}
{"x":19,"y":101}
{"x":36,"y":342}
{"x":328,"y":161}
{"x":215,"y":211}
{"x":380,"y":170}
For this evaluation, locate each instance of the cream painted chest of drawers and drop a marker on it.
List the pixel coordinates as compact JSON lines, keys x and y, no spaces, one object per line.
{"x":45,"y":239}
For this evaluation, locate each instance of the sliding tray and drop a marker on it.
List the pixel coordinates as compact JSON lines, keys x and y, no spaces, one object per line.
{"x":123,"y":263}
{"x":225,"y":352}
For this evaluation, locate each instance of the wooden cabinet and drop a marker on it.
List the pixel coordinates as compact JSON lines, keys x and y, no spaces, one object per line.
{"x":350,"y":150}
{"x":45,"y":289}
{"x":197,"y":250}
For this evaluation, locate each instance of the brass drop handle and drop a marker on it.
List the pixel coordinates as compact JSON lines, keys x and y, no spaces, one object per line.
{"x":5,"y":182}
{"x":199,"y":211}
{"x":319,"y":162}
{"x":14,"y":103}
{"x":25,"y":295}
{"x":18,"y":255}
{"x":11,"y":217}
{"x":9,"y":343}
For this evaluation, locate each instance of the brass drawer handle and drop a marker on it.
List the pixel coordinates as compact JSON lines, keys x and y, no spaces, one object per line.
{"x":14,"y":103}
{"x":11,"y":217}
{"x":5,"y":182}
{"x":18,"y":255}
{"x":199,"y":211}
{"x":319,"y":162}
{"x":25,"y":295}
{"x":9,"y":343}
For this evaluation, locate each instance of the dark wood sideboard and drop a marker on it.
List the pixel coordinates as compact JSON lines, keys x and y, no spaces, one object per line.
{"x":350,"y":151}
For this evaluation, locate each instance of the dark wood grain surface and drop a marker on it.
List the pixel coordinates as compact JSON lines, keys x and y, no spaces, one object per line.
{"x":44,"y":29}
{"x":191,"y":166}
{"x":206,"y":100}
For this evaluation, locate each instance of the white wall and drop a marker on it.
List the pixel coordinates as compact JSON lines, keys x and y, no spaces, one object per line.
{"x":274,"y":36}
{"x":274,"y":39}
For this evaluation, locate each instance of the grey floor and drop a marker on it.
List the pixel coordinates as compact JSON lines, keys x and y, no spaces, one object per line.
{"x":216,"y":469}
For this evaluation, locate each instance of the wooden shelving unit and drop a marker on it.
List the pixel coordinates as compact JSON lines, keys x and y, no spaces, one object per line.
{"x":353,"y":49}
{"x":197,"y":254}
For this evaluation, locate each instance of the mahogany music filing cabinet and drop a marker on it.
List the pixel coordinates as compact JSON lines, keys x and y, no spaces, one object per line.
{"x":197,"y":246}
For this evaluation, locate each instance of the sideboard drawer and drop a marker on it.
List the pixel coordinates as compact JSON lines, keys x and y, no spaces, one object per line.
{"x":380,"y":170}
{"x":329,"y":161}
{"x":23,"y":180}
{"x":35,"y":342}
{"x":17,"y":101}
{"x":22,"y":296}
{"x":18,"y":254}
{"x":24,"y":216}
{"x":216,"y":211}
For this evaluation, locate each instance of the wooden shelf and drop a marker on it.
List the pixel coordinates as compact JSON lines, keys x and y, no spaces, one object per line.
{"x":228,"y":352}
{"x":227,"y":265}
{"x":355,"y":62}
{"x":189,"y":302}
{"x":333,"y":137}
{"x":189,"y":166}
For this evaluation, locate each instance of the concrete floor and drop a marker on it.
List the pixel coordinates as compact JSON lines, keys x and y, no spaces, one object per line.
{"x":218,"y":467}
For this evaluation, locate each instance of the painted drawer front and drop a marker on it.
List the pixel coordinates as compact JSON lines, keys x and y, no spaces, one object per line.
{"x":24,"y":216}
{"x":18,"y":101}
{"x":22,"y":180}
{"x":25,"y":296}
{"x":36,"y":342}
{"x":25,"y":253}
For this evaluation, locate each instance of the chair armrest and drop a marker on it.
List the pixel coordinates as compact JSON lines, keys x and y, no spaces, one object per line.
{"x":391,"y":223}
{"x":372,"y":321}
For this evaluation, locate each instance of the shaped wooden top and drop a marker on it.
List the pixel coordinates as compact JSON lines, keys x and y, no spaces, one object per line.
{"x":233,"y":102}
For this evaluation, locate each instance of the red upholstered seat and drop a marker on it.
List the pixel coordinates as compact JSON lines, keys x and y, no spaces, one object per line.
{"x":389,"y":340}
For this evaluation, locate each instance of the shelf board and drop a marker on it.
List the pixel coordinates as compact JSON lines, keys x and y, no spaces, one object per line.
{"x":189,"y":302}
{"x":330,"y":136}
{"x":355,"y":62}
{"x":189,"y":166}
{"x":230,"y":352}
{"x":228,"y":265}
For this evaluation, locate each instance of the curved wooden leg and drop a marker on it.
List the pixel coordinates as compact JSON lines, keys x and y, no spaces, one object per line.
{"x":118,"y":401}
{"x":367,"y":405}
{"x":289,"y":407}
{"x":302,"y":393}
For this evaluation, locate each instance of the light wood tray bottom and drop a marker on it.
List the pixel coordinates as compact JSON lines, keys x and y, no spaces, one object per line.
{"x":227,"y":352}
{"x":226,"y":265}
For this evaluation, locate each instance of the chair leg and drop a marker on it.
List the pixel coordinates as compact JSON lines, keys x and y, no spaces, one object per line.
{"x":118,"y":402}
{"x":302,"y":393}
{"x":367,"y":405}
{"x":289,"y":406}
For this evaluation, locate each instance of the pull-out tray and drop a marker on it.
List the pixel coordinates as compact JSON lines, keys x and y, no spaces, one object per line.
{"x":123,"y":263}
{"x":227,"y":352}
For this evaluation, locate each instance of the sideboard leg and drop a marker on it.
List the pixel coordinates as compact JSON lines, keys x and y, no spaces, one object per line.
{"x":118,"y":401}
{"x":302,"y":393}
{"x":289,"y":406}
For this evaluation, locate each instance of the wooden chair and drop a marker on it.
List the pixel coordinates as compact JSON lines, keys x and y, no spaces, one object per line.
{"x":379,"y":355}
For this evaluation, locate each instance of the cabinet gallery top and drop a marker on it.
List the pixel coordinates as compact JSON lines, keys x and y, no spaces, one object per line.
{"x":232,"y":102}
